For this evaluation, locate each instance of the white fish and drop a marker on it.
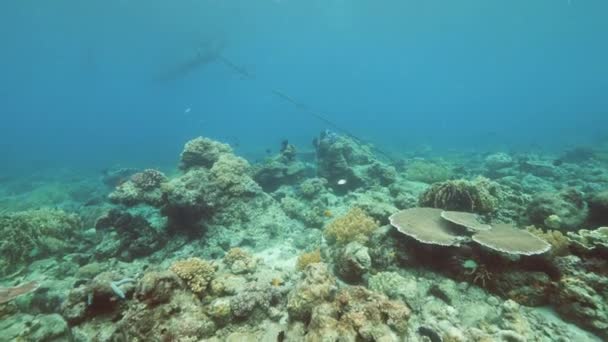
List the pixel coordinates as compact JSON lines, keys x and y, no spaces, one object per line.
{"x":188,"y":110}
{"x":342,"y":182}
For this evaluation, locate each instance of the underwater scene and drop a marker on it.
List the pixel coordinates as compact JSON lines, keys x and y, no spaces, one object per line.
{"x":304,"y":170}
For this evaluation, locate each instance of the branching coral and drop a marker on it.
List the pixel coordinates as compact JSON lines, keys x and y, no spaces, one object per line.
{"x":306,"y":259}
{"x":480,"y":195}
{"x":355,"y":225}
{"x":196,"y":272}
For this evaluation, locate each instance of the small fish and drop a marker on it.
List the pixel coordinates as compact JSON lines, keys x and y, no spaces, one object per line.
{"x":187,"y":110}
{"x":342,"y":182}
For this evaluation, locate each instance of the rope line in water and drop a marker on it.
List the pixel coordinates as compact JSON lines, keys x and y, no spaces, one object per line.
{"x":303,"y":107}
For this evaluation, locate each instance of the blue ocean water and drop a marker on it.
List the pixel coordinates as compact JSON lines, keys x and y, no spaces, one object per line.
{"x":82,"y":81}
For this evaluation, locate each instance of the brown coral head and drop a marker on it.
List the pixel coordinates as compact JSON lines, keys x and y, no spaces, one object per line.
{"x":508,"y":239}
{"x":9,"y":293}
{"x":467,"y":220}
{"x":426,"y":225}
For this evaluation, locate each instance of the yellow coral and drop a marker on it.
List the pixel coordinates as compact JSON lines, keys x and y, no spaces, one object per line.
{"x":355,"y":225}
{"x":276,"y":282}
{"x":196,"y":272}
{"x":560,"y":246}
{"x":306,"y":259}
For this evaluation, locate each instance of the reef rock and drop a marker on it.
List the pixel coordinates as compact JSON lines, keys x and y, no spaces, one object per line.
{"x":352,"y":262}
{"x":141,"y":188}
{"x":568,"y":205}
{"x":581,"y":295}
{"x":316,"y":286}
{"x":202,"y":152}
{"x":598,"y":208}
{"x":348,"y":165}
{"x":134,"y":236}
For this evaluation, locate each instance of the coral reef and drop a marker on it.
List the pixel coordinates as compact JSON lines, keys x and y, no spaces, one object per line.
{"x":224,"y":250}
